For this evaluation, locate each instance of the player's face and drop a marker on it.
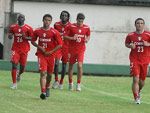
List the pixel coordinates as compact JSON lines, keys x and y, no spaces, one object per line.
{"x":64,"y":17}
{"x":21,"y":19}
{"x":46,"y":22}
{"x":80,"y":22}
{"x":139,"y":25}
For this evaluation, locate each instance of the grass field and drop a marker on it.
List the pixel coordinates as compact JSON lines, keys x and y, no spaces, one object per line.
{"x":98,"y":95}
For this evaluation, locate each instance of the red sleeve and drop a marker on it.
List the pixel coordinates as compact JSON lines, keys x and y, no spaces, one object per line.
{"x":11,"y":30}
{"x":30,"y":32}
{"x":34,"y":38}
{"x":67,"y":31}
{"x":127,"y":41}
{"x":58,"y":38}
{"x":88,"y":33}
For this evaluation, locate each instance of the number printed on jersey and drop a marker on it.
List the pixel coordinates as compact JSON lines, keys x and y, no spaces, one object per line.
{"x":44,"y":45}
{"x":78,"y":40}
{"x":140,"y":49}
{"x":19,"y":39}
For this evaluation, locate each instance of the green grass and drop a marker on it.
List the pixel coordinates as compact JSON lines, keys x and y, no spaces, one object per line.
{"x":98,"y":95}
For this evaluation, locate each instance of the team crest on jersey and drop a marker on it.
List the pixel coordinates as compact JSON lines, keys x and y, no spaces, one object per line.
{"x":62,"y":29}
{"x":139,"y":38}
{"x":19,"y":30}
{"x":79,"y":30}
{"x":44,"y":34}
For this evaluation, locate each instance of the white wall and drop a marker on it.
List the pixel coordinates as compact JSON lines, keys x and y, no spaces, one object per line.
{"x":4,"y":7}
{"x":109,"y":27}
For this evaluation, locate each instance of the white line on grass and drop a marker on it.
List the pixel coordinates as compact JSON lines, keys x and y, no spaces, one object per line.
{"x":19,"y":107}
{"x":110,"y":94}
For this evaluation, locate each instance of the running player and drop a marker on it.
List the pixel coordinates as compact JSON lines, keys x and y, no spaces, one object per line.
{"x":46,"y":48}
{"x":78,"y":34}
{"x":139,"y":42}
{"x":63,"y":52}
{"x":22,"y":33}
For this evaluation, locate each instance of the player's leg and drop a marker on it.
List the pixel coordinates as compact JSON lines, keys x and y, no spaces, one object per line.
{"x":14,"y":73}
{"x":80,"y":58}
{"x":144,"y":72}
{"x":63,"y":72}
{"x":23,"y":60}
{"x":42,"y":69}
{"x":64,"y":64}
{"x":79,"y":76}
{"x":21,"y":70}
{"x":14,"y":59}
{"x":48,"y":80}
{"x":43,"y":84}
{"x":135,"y":86}
{"x":135,"y":72}
{"x":56,"y":71}
{"x":70,"y":73}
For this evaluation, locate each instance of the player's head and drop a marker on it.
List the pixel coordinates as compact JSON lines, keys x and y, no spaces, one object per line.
{"x":80,"y":19}
{"x":21,"y":19}
{"x":139,"y":24}
{"x":47,"y":19}
{"x":64,"y":16}
{"x":139,"y":19}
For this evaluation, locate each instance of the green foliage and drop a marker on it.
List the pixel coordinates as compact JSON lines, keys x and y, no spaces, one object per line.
{"x":98,"y":95}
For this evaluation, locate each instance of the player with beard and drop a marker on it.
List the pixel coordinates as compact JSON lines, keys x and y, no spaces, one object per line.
{"x":63,"y":52}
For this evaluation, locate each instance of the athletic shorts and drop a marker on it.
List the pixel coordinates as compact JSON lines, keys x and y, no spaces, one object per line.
{"x":46,"y":63}
{"x":139,"y":69}
{"x":63,"y":55}
{"x":18,"y":56}
{"x":76,"y":58}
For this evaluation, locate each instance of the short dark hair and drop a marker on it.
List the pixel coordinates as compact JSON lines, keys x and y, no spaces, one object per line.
{"x":67,"y":14}
{"x":80,"y":16}
{"x":47,"y":15}
{"x":139,"y":19}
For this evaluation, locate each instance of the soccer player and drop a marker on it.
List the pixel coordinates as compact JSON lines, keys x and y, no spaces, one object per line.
{"x":22,"y":33}
{"x":63,"y":52}
{"x":46,"y":48}
{"x":139,"y":42}
{"x":78,"y":34}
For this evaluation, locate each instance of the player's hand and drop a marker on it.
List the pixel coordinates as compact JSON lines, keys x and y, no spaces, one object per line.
{"x":75,"y":37}
{"x":47,"y":53}
{"x":10,"y":36}
{"x":146,"y":43}
{"x":132,"y":45}
{"x":41,"y":49}
{"x":86,"y":40}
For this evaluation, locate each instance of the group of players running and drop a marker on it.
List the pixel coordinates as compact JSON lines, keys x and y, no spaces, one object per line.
{"x":66,"y":42}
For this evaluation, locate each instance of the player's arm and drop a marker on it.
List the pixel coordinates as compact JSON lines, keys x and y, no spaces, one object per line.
{"x":146,"y":43}
{"x":39,"y":47}
{"x":25,"y":37}
{"x":131,"y":45}
{"x":54,"y":50}
{"x":71,"y":38}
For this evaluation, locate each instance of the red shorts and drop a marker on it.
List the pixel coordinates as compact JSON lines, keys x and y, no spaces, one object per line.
{"x":63,"y":55}
{"x":46,"y":63}
{"x":18,"y":56}
{"x":139,"y":69}
{"x":76,"y":58}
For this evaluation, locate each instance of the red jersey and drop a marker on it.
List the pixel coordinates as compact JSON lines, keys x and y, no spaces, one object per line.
{"x":19,"y":43}
{"x":78,"y":45}
{"x":60,"y":27}
{"x":141,"y":53}
{"x":47,"y":39}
